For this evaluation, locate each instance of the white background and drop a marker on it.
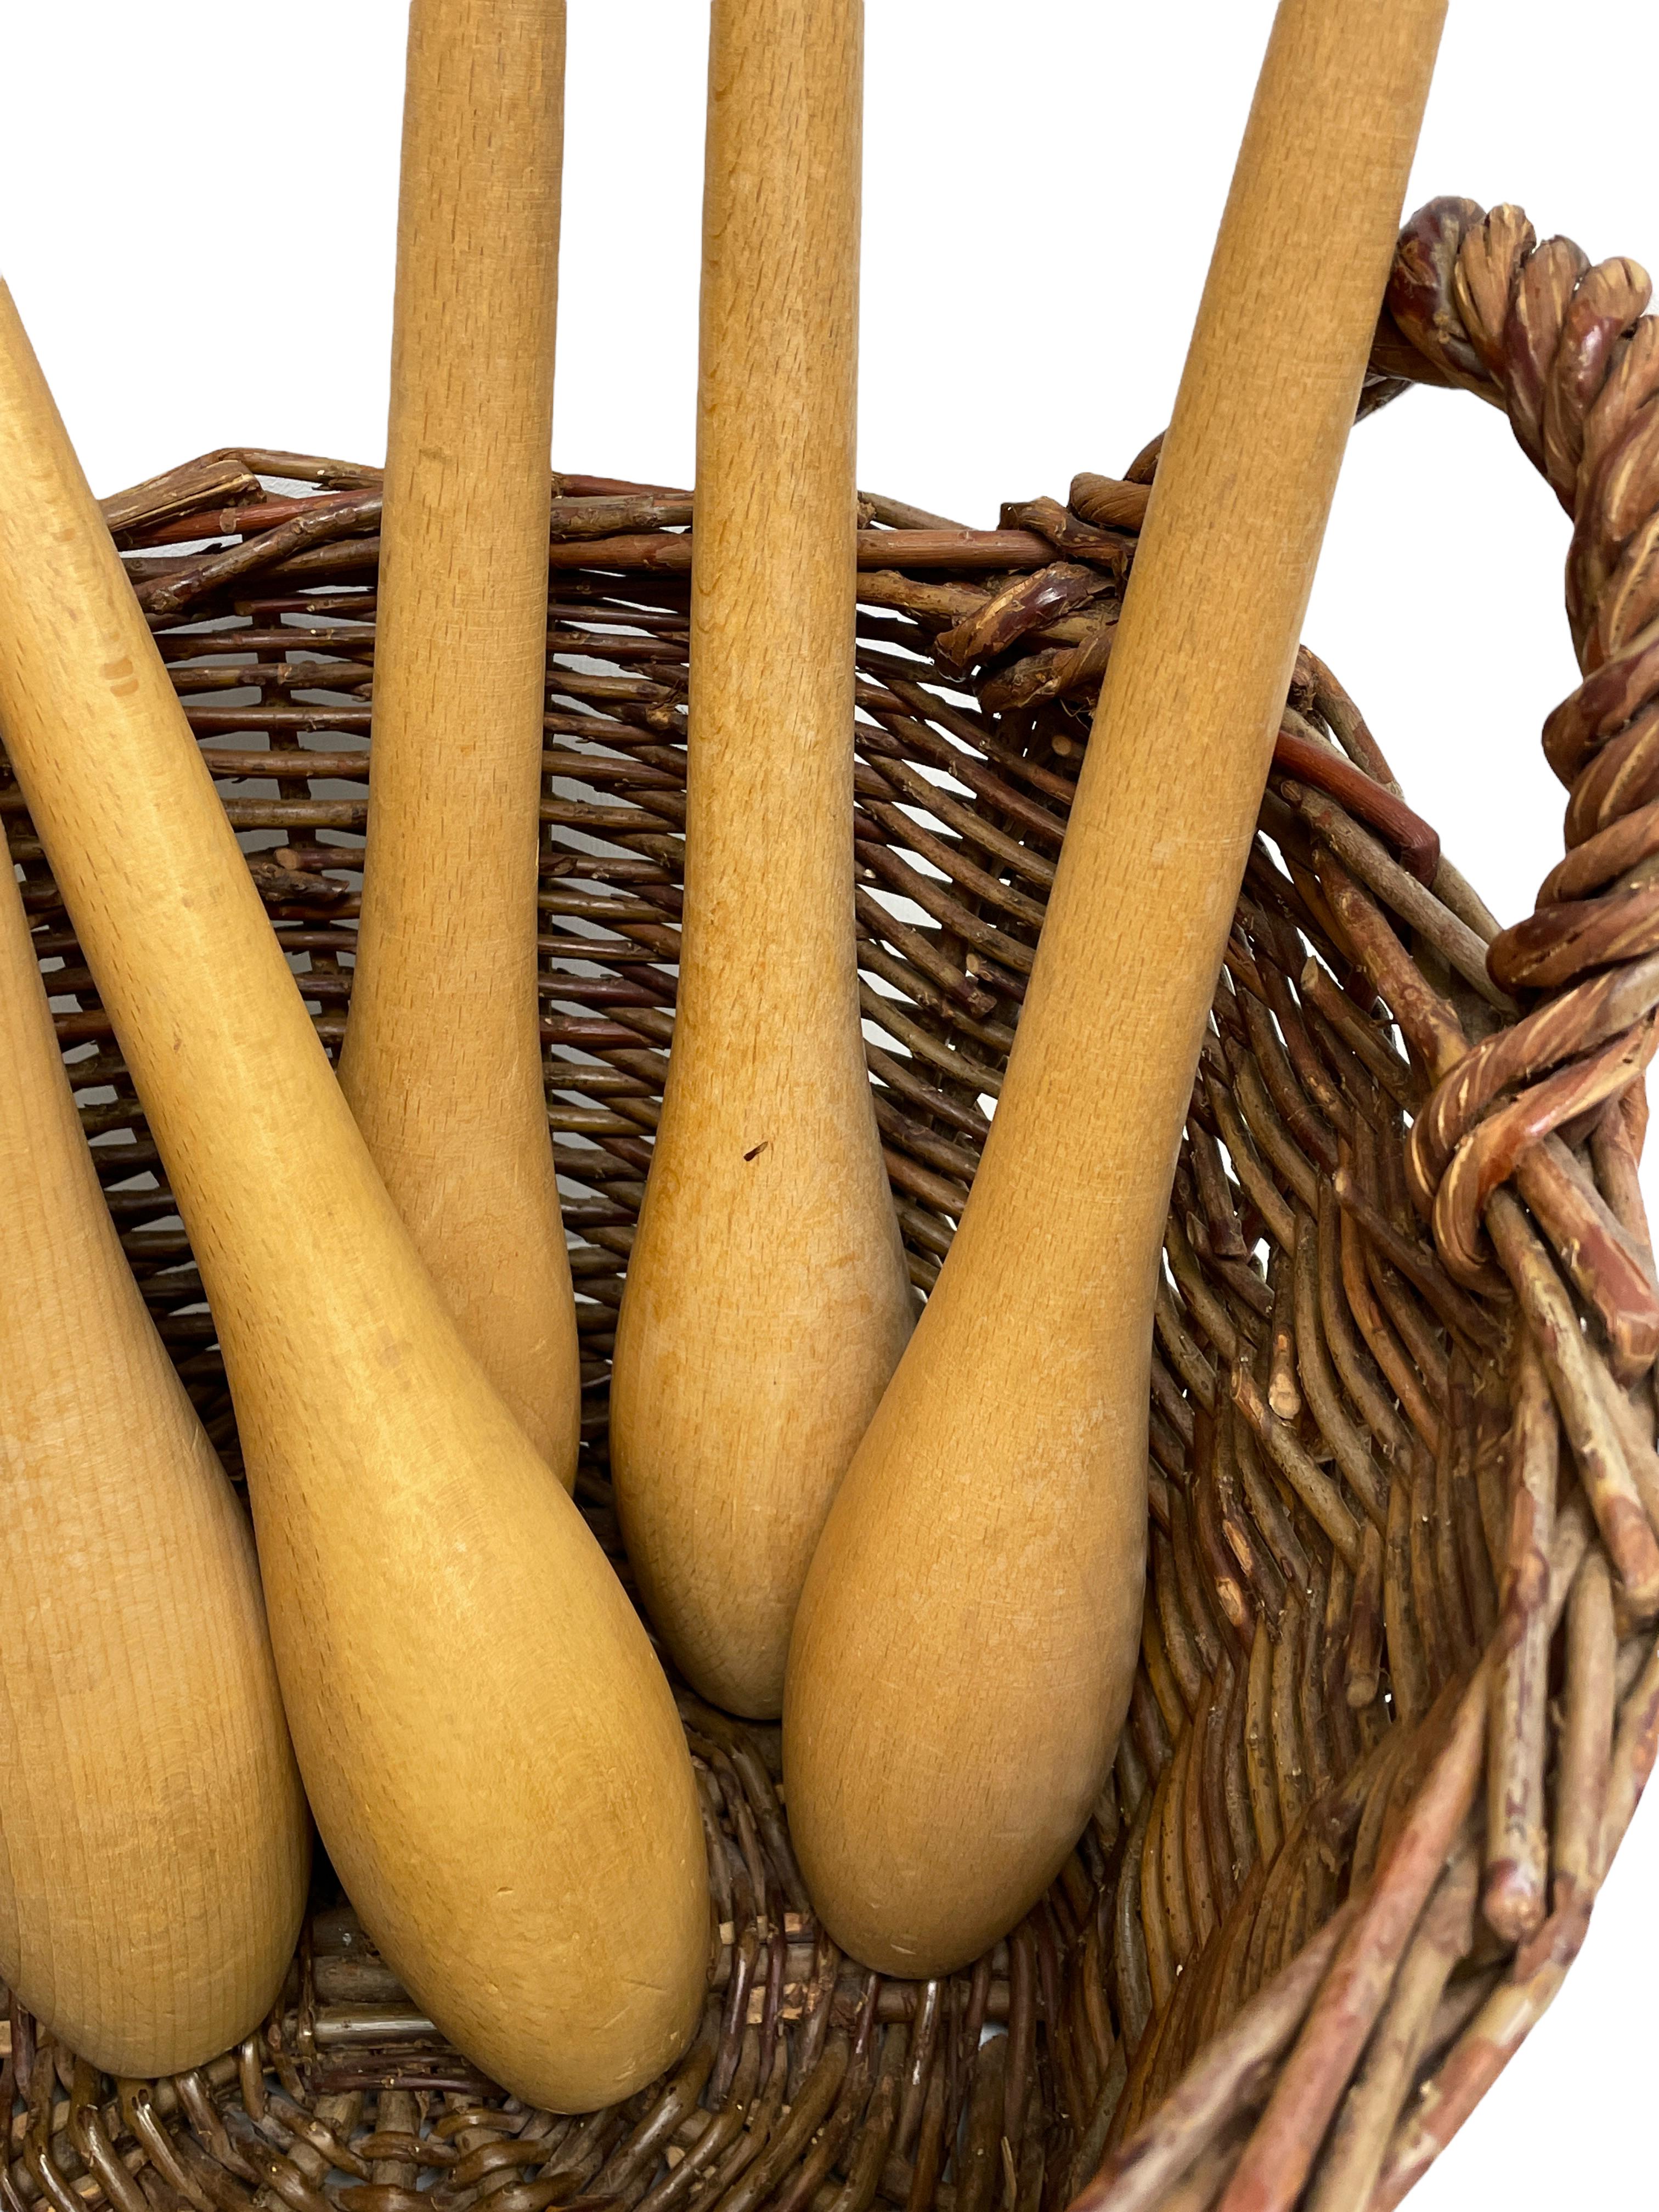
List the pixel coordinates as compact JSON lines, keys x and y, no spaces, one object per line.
{"x":196,"y":209}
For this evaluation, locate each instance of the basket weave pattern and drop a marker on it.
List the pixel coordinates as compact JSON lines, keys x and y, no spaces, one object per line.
{"x":1298,"y":1939}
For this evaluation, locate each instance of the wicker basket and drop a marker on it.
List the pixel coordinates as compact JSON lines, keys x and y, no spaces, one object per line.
{"x":1299,"y":1940}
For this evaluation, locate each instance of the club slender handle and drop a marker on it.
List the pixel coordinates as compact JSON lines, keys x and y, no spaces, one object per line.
{"x":966,"y":1643}
{"x":442,"y":1061}
{"x":767,"y":1300}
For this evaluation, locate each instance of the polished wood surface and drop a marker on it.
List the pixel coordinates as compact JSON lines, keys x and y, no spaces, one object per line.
{"x":442,"y":1063}
{"x":767,"y":1300}
{"x":966,"y":1643}
{"x":487,"y":1740}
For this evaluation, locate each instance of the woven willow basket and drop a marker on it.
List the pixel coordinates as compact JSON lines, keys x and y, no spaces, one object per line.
{"x":1400,"y":1688}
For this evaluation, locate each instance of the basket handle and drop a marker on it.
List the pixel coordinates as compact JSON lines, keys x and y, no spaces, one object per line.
{"x":1566,"y":349}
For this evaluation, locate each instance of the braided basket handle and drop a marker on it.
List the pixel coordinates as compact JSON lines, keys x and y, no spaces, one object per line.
{"x":1566,"y":349}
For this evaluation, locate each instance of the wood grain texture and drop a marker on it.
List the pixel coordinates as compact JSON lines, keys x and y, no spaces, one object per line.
{"x":489,"y":1744}
{"x":767,"y":1300}
{"x":443,"y":1058}
{"x":153,"y":1840}
{"x":965,"y":1645}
